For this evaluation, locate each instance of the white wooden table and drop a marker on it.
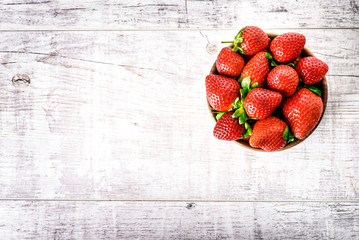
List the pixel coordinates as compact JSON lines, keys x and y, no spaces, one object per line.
{"x":110,"y":137}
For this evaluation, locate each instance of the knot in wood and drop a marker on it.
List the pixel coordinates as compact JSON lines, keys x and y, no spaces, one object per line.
{"x":212,"y":48}
{"x":20,"y":80}
{"x":190,"y":205}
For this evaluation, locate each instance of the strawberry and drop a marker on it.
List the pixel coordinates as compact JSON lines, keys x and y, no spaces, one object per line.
{"x":287,"y":47}
{"x":270,"y":134}
{"x":228,"y":128}
{"x":260,"y":103}
{"x":229,"y":63}
{"x":302,"y":112}
{"x":283,"y":79}
{"x":250,"y":40}
{"x":221,"y":91}
{"x":257,"y":68}
{"x":311,"y":70}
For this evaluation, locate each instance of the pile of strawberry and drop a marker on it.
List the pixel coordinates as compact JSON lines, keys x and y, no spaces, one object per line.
{"x":264,"y":91}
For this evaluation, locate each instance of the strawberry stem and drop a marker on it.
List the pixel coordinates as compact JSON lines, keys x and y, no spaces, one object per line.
{"x":237,"y":42}
{"x":227,"y":41}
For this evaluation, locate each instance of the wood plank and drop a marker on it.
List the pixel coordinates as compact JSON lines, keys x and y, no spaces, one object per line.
{"x":177,"y":220}
{"x":136,"y":14}
{"x":123,"y":115}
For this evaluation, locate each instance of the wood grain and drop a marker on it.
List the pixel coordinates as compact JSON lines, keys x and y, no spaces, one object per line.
{"x":105,"y":100}
{"x":106,"y":117}
{"x":136,"y":14}
{"x":173,"y":220}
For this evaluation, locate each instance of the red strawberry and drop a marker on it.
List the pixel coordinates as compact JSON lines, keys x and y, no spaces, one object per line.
{"x":268,"y":134}
{"x":221,"y":91}
{"x":250,"y":40}
{"x":257,"y":69}
{"x":302,"y":112}
{"x":287,"y":47}
{"x":229,"y":63}
{"x":283,"y":79}
{"x":228,"y":128}
{"x":260,"y":103}
{"x":311,"y":70}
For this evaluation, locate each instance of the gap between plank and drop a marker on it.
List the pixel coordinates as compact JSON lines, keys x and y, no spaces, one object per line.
{"x":172,"y":200}
{"x":157,"y":29}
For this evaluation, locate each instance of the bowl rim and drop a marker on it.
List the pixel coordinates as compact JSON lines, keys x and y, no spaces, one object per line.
{"x":324,"y":85}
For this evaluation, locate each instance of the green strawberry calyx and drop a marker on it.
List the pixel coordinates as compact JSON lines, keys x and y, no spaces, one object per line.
{"x":249,"y":130}
{"x":268,"y":56}
{"x":242,"y":116}
{"x":239,"y":111}
{"x":238,"y":39}
{"x":246,"y":86}
{"x":274,"y":63}
{"x":238,"y":106}
{"x":293,"y":64}
{"x":311,"y":88}
{"x":314,"y":90}
{"x":218,"y":114}
{"x":287,"y":135}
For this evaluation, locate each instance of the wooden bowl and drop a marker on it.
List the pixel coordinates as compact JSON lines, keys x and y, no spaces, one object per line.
{"x":322,"y":85}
